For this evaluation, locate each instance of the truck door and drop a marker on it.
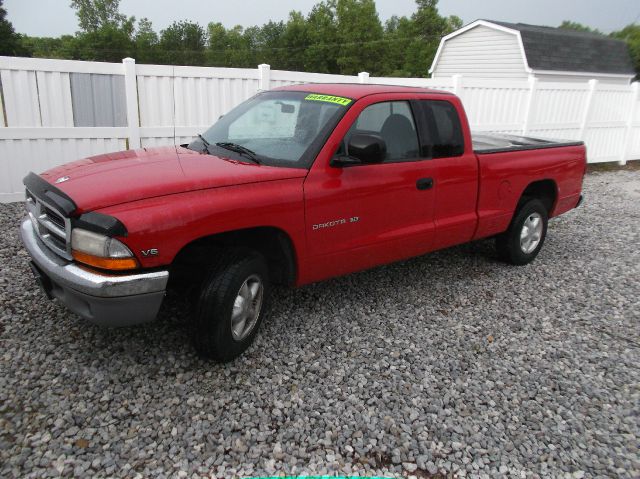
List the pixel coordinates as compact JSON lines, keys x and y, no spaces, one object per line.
{"x":456,"y":192}
{"x":367,"y":214}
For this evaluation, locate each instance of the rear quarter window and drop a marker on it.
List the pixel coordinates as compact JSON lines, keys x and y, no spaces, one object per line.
{"x":441,"y":130}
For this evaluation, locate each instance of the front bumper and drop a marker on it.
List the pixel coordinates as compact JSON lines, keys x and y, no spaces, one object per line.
{"x":104,"y":299}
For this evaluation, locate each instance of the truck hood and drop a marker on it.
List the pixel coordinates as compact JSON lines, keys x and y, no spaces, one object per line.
{"x":124,"y":176}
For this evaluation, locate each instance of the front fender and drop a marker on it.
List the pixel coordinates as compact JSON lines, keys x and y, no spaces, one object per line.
{"x":158,"y":228}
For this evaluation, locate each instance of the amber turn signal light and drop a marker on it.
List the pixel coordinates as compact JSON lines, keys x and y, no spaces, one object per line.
{"x":114,"y":264}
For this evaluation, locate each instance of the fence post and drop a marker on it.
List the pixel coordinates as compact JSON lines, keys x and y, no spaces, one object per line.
{"x":131,"y":98}
{"x":628,"y":132}
{"x":3,"y":120}
{"x":529,"y":108}
{"x":593,"y":84}
{"x":264,"y":73}
{"x":457,"y":85}
{"x":363,"y":77}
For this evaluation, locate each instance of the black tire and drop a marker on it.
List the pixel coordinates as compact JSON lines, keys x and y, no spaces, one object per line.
{"x":508,"y":243}
{"x":212,"y":314}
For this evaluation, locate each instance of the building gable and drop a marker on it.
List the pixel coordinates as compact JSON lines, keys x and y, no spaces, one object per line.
{"x":481,"y":52}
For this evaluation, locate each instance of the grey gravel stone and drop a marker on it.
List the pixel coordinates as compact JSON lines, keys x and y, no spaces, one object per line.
{"x":448,"y":362}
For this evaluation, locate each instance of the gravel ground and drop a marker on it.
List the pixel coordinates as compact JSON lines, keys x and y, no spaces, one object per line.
{"x":449,"y":363}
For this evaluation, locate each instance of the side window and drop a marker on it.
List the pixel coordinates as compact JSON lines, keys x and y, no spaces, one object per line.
{"x":441,"y":132}
{"x":393,"y":121}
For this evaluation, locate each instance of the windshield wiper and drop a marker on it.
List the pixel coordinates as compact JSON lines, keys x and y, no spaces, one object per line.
{"x":205,"y":143}
{"x":239,"y":149}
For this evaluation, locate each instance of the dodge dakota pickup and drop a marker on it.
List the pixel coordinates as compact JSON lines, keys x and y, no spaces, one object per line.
{"x":293,"y":186}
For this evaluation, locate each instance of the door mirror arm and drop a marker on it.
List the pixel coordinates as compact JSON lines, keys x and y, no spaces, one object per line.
{"x":344,"y":160}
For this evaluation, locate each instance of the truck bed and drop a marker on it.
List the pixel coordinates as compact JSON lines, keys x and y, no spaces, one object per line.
{"x":484,"y":143}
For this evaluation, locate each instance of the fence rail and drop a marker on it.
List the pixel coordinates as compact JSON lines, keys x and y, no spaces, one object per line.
{"x":55,"y":111}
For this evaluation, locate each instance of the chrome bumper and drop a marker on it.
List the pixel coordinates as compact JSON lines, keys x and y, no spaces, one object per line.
{"x":109,"y":300}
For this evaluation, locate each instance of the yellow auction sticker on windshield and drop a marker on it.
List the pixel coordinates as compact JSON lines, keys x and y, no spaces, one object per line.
{"x":328,"y":98}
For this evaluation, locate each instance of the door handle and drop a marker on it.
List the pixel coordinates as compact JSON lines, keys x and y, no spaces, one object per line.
{"x":424,"y":183}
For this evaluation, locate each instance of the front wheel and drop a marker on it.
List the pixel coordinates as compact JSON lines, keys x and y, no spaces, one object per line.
{"x":522,"y":242}
{"x":231,"y":305}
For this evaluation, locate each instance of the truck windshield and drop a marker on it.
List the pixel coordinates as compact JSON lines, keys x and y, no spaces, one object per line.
{"x":280,"y":128}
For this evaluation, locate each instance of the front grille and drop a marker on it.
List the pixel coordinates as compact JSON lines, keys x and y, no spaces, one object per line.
{"x":54,"y":217}
{"x":51,"y":226}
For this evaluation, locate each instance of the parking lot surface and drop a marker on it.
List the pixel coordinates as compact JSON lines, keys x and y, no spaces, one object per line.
{"x":448,"y":363}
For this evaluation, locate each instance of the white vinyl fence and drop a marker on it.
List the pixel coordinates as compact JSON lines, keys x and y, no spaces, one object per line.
{"x":55,"y":111}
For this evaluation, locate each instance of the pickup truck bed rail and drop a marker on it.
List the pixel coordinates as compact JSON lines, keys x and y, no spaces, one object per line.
{"x":485,"y":143}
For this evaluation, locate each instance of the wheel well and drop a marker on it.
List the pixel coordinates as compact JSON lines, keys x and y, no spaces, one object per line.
{"x":544,"y":190}
{"x":273,"y":243}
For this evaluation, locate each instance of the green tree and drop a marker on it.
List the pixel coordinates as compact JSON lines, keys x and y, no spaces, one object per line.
{"x":412,"y":42}
{"x":359,"y":35}
{"x":234,"y":47}
{"x":399,"y":34}
{"x":337,"y":36}
{"x":10,"y":44}
{"x":322,"y":55}
{"x":237,"y":47}
{"x":247,"y":55}
{"x":146,"y":42}
{"x":241,"y":48}
{"x":631,"y":34}
{"x":270,"y":45}
{"x":64,"y":47}
{"x":183,"y":43}
{"x":106,"y":34}
{"x":95,"y":14}
{"x":296,"y":40}
{"x":578,"y":27}
{"x":217,"y":46}
{"x":429,"y":28}
{"x":109,"y":43}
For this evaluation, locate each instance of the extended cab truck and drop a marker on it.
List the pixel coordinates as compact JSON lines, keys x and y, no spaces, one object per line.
{"x":293,"y":186}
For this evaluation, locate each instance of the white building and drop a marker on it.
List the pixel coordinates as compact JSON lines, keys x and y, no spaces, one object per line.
{"x":491,"y":49}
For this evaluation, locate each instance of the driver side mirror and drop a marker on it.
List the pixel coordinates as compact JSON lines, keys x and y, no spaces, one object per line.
{"x":364,"y":149}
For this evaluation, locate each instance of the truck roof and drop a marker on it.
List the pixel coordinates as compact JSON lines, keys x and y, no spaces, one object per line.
{"x":356,"y":90}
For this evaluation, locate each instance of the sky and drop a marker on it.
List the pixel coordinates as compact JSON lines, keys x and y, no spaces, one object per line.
{"x":56,"y":17}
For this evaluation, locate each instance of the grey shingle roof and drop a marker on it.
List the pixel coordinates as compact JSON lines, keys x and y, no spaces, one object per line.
{"x":549,"y":48}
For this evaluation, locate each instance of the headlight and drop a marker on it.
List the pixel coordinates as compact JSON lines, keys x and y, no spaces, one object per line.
{"x":101,"y":251}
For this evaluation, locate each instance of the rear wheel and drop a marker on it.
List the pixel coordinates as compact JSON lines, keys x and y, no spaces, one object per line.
{"x":522,"y":242}
{"x":231,"y":305}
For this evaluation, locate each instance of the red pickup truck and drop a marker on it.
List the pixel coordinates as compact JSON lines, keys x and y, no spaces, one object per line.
{"x":295,"y":185}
